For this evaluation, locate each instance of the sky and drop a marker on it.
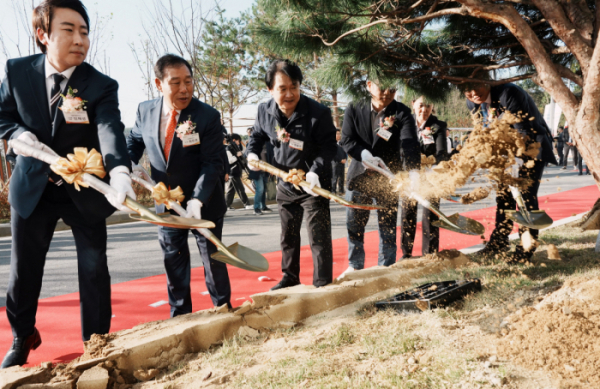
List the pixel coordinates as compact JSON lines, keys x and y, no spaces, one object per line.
{"x":124,"y":28}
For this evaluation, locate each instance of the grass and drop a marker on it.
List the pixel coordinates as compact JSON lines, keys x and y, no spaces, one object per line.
{"x":387,"y":349}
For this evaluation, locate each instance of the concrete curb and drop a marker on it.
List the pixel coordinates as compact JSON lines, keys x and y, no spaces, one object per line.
{"x":120,"y":217}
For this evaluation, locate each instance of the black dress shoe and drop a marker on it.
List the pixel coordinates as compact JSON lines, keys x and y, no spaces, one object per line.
{"x":286,"y":282}
{"x":520,"y":256}
{"x":18,"y":353}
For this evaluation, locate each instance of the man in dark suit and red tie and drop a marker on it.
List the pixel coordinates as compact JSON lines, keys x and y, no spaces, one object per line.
{"x":184,"y":141}
{"x":30,"y":111}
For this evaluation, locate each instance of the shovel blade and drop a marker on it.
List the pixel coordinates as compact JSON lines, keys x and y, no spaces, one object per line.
{"x":242,"y":257}
{"x":168,"y":220}
{"x":460,"y":224}
{"x":539,"y":219}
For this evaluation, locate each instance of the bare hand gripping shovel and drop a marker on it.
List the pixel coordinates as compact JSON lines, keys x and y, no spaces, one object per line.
{"x":531,"y":219}
{"x":235,"y":255}
{"x":456,"y":222}
{"x":262,"y":165}
{"x":143,"y":214}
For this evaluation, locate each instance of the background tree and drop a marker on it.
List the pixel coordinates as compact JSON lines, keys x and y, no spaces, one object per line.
{"x":230,"y":69}
{"x":432,"y":45}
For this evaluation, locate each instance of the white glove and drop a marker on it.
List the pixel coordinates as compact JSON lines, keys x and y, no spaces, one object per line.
{"x":121,"y":182}
{"x":414,"y":177}
{"x":253,"y":157}
{"x":366,"y":156}
{"x":194,"y":206}
{"x":30,"y":139}
{"x":515,"y":168}
{"x":313,"y":179}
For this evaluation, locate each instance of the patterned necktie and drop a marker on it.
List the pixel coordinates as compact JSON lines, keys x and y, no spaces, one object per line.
{"x":55,"y":94}
{"x":484,"y":113}
{"x":170,"y":132}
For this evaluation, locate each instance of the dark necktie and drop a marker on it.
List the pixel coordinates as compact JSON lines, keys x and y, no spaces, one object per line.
{"x":55,"y":94}
{"x":484,"y":113}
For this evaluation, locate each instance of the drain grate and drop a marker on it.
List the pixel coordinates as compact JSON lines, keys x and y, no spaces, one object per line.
{"x":431,"y":295}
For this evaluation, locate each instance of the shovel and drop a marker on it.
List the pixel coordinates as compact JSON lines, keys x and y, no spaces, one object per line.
{"x":456,"y":222}
{"x":143,"y":214}
{"x":532,"y":219}
{"x":234,"y":255}
{"x":262,"y":165}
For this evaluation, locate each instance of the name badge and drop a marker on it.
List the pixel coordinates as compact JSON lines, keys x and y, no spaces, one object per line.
{"x":191,"y":140}
{"x":384,"y":134}
{"x":296,"y":144}
{"x":76,"y":117}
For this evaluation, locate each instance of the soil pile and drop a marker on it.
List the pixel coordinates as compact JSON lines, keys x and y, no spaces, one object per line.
{"x":560,"y":335}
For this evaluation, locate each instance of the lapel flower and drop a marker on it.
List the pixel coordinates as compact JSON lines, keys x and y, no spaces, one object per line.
{"x":427,"y":131}
{"x":185,"y":128}
{"x":70,"y":103}
{"x":387,"y":122}
{"x":282,"y":134}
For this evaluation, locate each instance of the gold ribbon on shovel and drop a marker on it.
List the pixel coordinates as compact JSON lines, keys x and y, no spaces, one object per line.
{"x":162,"y":195}
{"x":72,"y":168}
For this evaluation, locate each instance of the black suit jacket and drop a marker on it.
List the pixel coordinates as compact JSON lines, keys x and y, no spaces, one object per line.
{"x":357,"y":135}
{"x":24,"y":107}
{"x":198,"y":169}
{"x":439,"y":149}
{"x":512,"y":98}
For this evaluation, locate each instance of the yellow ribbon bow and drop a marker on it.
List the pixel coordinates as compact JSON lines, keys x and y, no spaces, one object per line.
{"x":73,"y":168}
{"x":295,"y":176}
{"x":162,"y":195}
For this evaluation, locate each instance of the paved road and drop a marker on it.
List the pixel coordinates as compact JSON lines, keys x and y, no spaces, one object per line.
{"x":134,"y":251}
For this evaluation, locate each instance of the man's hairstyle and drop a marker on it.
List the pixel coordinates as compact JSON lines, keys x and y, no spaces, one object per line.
{"x":286,"y":67}
{"x":236,"y":137}
{"x":338,"y":130}
{"x":43,"y":14}
{"x":170,"y":60}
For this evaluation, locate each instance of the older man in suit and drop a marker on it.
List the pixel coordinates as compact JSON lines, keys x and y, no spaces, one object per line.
{"x":30,"y":98}
{"x":379,"y":130}
{"x":481,"y":98}
{"x":184,"y":142}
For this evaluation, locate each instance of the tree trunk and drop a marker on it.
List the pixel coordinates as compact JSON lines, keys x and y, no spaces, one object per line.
{"x":231,"y":121}
{"x":336,"y":116}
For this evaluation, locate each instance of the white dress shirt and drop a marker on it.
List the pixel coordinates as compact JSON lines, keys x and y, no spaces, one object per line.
{"x":164,"y":122}
{"x":50,"y":70}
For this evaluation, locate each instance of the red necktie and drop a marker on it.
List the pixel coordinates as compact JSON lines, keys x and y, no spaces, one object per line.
{"x":170,"y":132}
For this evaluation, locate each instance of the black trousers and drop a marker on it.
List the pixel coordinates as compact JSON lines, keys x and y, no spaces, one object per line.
{"x":505,"y":201}
{"x":174,"y":243}
{"x":561,"y":155}
{"x":292,"y":205}
{"x":431,"y":233}
{"x":235,"y":184}
{"x":31,"y":239}
{"x":566,"y":150}
{"x":337,"y":182}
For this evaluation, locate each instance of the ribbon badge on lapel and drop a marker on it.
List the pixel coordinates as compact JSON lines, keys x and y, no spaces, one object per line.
{"x":72,"y":168}
{"x":162,"y":195}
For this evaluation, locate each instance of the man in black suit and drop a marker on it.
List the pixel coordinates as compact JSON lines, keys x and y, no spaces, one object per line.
{"x":303,"y":135}
{"x":481,"y":98}
{"x":339,"y":166}
{"x":30,"y":98}
{"x":184,"y":142}
{"x":560,"y":144}
{"x":379,"y":130}
{"x":567,"y":148}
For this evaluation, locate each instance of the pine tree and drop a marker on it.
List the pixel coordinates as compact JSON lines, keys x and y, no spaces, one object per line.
{"x":430,"y":46}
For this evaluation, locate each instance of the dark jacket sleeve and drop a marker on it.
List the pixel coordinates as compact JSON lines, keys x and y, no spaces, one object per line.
{"x":324,"y":135}
{"x":351,"y":141}
{"x":411,"y":149}
{"x":441,"y":142}
{"x":212,"y":168}
{"x":258,"y":137}
{"x":110,"y":128}
{"x":135,"y":141}
{"x":226,"y":165}
{"x":10,"y":123}
{"x":516,"y":100}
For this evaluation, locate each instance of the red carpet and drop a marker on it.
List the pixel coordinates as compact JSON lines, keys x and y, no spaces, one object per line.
{"x":58,"y":317}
